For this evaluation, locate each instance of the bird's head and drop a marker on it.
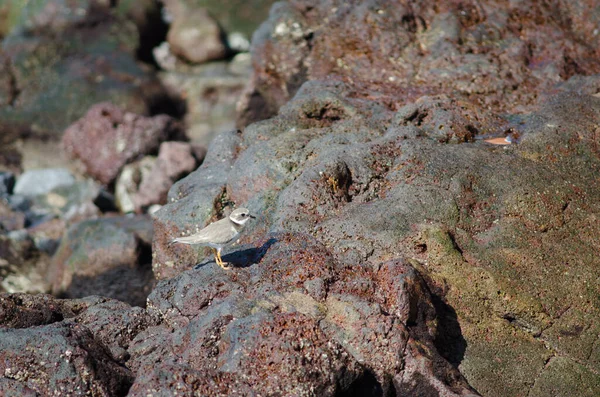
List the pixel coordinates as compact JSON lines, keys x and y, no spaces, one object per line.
{"x":240,"y":216}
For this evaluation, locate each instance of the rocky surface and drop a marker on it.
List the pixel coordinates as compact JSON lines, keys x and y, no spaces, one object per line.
{"x":72,"y":347}
{"x":108,"y":257}
{"x":495,"y":55}
{"x":147,"y":182}
{"x":396,"y":251}
{"x":212,"y":92}
{"x":37,"y":182}
{"x":59,"y":58}
{"x":379,"y":155}
{"x":298,"y":322}
{"x":108,"y":137}
{"x":235,"y":16}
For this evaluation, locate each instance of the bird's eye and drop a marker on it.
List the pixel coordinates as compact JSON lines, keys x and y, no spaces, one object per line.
{"x":244,"y":214}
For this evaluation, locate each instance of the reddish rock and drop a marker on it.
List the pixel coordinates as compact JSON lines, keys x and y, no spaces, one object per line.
{"x":499,"y":56}
{"x":147,"y":182}
{"x":175,"y":160}
{"x":58,"y":346}
{"x":288,"y":318}
{"x":107,"y":138}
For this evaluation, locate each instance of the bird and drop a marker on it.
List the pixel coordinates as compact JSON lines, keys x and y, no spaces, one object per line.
{"x":219,"y":234}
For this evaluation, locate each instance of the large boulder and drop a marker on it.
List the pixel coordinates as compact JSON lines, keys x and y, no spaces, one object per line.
{"x":505,"y":235}
{"x":107,"y":256}
{"x":108,"y":137}
{"x":498,"y":56}
{"x":298,"y":322}
{"x":74,"y":347}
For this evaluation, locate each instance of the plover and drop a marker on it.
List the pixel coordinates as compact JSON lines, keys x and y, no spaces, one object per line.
{"x":219,"y":234}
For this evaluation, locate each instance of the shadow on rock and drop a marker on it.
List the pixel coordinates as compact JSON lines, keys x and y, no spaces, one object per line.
{"x":449,"y":339}
{"x":243,"y":258}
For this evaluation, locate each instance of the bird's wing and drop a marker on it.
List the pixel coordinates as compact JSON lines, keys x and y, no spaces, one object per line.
{"x":204,"y":236}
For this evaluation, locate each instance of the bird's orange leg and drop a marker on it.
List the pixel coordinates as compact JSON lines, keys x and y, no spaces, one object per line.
{"x":219,"y":260}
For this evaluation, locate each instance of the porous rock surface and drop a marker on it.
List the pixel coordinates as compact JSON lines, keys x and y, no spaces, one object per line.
{"x":379,"y":155}
{"x":497,"y":55}
{"x":108,"y":137}
{"x":395,"y":251}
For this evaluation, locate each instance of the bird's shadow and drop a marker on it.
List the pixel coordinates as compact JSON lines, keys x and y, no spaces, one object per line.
{"x":243,"y":258}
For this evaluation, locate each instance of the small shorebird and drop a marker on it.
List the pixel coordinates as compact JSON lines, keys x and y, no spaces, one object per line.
{"x":219,"y":234}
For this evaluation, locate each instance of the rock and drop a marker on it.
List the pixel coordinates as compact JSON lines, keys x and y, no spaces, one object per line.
{"x":107,"y":256}
{"x":46,"y":236}
{"x":428,"y":49}
{"x":448,"y":120}
{"x":7,"y":183}
{"x":78,"y":363}
{"x":196,"y":37}
{"x":70,"y":202}
{"x":9,"y":219}
{"x":10,"y":157}
{"x":258,"y":329}
{"x":362,"y":180}
{"x":107,"y":138}
{"x":147,"y":182}
{"x":193,"y":212}
{"x":236,"y":17}
{"x":37,"y":182}
{"x":61,"y":58}
{"x":80,"y":345}
{"x":128,"y":183}
{"x":22,"y":264}
{"x":212,"y":91}
{"x":165,"y":58}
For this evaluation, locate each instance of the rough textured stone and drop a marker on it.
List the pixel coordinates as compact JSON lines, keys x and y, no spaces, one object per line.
{"x":372,"y":184}
{"x":107,"y":138}
{"x":498,"y":56}
{"x":193,"y":211}
{"x":77,"y":347}
{"x":147,"y":182}
{"x":394,"y":246}
{"x":296,"y":322}
{"x":108,"y":257}
{"x":61,"y":358}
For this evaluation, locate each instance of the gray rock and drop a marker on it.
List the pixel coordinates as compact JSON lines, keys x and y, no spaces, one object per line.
{"x":36,"y":182}
{"x":186,"y":212}
{"x":293,"y":322}
{"x":108,"y":257}
{"x":69,"y":202}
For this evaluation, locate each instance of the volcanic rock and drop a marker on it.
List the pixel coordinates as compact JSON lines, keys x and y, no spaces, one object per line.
{"x":107,"y":138}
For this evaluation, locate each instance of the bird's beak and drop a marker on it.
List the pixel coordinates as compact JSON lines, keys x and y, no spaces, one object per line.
{"x":252,"y":216}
